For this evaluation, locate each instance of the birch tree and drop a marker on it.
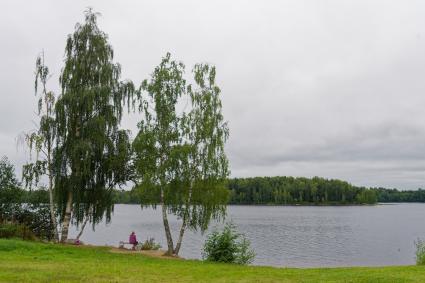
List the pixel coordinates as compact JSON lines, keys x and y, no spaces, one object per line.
{"x":179,"y":154}
{"x":41,"y":140}
{"x":92,"y":153}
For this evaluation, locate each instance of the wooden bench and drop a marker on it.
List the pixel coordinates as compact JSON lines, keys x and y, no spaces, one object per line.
{"x":122,"y":244}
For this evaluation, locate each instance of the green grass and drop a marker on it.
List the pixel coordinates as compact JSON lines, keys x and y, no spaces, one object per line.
{"x":37,"y":262}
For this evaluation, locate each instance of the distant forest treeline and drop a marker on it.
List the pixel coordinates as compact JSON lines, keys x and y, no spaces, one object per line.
{"x":320,"y":191}
{"x":291,"y":190}
{"x":284,"y":191}
{"x":393,"y":195}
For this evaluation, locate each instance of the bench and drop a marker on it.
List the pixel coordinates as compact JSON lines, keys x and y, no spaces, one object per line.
{"x":122,"y":244}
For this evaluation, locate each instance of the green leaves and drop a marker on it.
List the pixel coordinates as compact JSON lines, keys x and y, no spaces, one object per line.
{"x":10,"y":194}
{"x":32,"y":172}
{"x":7,"y":174}
{"x":41,"y":140}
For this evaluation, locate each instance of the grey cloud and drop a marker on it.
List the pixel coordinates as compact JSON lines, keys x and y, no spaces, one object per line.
{"x":390,"y":141}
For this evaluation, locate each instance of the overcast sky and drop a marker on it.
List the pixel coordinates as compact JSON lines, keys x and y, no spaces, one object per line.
{"x":310,"y":88}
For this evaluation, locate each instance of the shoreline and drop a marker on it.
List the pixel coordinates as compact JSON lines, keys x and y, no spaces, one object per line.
{"x":307,"y":204}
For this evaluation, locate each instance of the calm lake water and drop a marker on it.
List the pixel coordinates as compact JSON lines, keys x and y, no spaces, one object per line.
{"x":294,"y":236}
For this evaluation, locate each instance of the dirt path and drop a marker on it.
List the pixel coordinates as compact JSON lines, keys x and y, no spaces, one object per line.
{"x":156,"y":254}
{"x":150,"y":253}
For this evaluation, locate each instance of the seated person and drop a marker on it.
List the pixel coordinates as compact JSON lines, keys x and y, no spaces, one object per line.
{"x":133,"y":240}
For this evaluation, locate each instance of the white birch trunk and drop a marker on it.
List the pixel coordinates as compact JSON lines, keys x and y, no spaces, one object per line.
{"x":67,"y":218}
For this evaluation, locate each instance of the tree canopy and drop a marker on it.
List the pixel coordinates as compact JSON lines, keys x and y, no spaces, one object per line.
{"x":92,"y":153}
{"x":179,"y":150}
{"x":8,"y":178}
{"x":10,"y":195}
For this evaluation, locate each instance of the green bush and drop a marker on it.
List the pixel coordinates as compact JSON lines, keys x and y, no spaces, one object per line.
{"x":28,"y":218}
{"x":228,"y":246}
{"x":149,"y":244}
{"x":420,"y":252}
{"x":16,"y":231}
{"x":23,"y":214}
{"x":37,"y":218}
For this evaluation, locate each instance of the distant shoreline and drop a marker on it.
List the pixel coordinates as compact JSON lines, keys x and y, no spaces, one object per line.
{"x":308,"y":204}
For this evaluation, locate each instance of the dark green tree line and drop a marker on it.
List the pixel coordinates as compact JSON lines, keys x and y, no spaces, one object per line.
{"x":291,"y":190}
{"x":394,"y":195}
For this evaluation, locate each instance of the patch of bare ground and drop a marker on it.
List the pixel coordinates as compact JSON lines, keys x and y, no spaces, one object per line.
{"x":150,"y":253}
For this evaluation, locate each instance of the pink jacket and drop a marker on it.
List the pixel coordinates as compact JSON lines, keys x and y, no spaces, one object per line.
{"x":133,"y":239}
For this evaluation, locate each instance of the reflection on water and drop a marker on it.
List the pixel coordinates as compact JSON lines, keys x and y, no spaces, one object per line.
{"x":295,"y":236}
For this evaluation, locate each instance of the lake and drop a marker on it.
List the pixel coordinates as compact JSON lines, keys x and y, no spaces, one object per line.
{"x":293,"y":236}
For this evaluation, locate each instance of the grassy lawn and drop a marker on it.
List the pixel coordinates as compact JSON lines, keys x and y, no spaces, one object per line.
{"x":36,"y":262}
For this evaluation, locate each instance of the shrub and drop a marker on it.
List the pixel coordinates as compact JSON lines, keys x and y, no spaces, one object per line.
{"x":420,"y":252}
{"x":16,"y":231}
{"x":24,"y":214}
{"x":28,"y":219}
{"x":149,"y":244}
{"x":37,"y":219}
{"x":228,"y":246}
